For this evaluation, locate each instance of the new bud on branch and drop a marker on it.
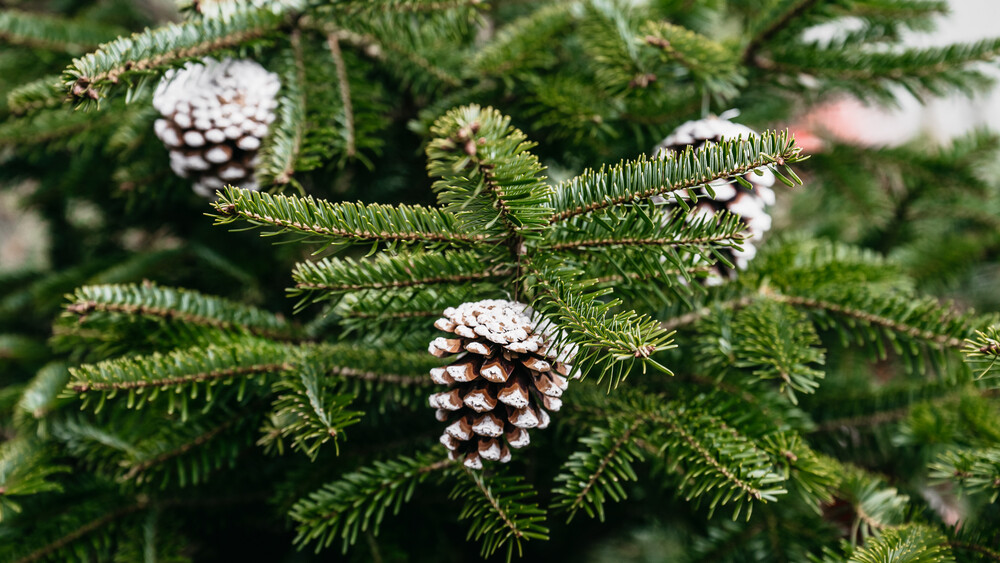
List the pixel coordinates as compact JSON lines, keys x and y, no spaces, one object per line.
{"x":214,"y":118}
{"x":506,"y":377}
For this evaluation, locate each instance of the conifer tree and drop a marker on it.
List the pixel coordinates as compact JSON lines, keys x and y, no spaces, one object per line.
{"x":481,"y":178}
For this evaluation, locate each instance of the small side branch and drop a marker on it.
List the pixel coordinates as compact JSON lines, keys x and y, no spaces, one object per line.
{"x":508,"y":523}
{"x":199,"y":440}
{"x":781,"y":23}
{"x":604,"y":464}
{"x":80,"y":532}
{"x":344,"y":86}
{"x":941,"y":339}
{"x":663,"y":189}
{"x":300,"y":75}
{"x":377,"y":48}
{"x":407,"y":283}
{"x":193,"y":378}
{"x":393,"y":483}
{"x":700,"y":241}
{"x":84,"y":308}
{"x":989,"y":553}
{"x":82,"y":87}
{"x":710,"y":459}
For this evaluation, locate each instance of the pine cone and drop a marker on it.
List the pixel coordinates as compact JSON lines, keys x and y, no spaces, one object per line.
{"x":504,"y":380}
{"x":215,"y":115}
{"x":749,"y":205}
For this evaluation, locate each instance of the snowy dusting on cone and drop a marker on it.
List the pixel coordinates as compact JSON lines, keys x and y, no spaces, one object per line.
{"x":215,"y":114}
{"x":506,"y":376}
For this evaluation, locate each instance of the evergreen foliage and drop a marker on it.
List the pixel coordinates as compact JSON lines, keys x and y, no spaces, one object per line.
{"x":828,"y":404}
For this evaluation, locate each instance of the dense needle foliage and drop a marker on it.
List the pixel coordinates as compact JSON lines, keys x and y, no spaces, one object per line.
{"x":172,"y":382}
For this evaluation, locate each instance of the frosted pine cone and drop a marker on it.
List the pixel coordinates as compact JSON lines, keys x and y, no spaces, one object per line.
{"x":214,"y":117}
{"x":502,"y":383}
{"x":749,"y":205}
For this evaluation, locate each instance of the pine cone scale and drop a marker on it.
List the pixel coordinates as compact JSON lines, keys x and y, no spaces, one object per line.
{"x":214,"y":117}
{"x":501,"y":382}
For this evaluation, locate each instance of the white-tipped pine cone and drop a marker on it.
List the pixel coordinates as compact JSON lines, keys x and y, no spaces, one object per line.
{"x":503,"y":382}
{"x":750,"y":205}
{"x":215,"y":115}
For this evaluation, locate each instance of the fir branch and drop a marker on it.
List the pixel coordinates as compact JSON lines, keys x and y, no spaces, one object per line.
{"x":358,"y":501}
{"x":502,"y":511}
{"x":95,"y":74}
{"x":211,"y":376}
{"x":591,"y":475}
{"x":54,"y":127}
{"x":770,"y":23}
{"x":712,"y":65}
{"x":991,"y":554}
{"x":974,"y":470}
{"x":137,"y":468}
{"x":777,"y":341}
{"x":698,"y":439}
{"x":85,"y":529}
{"x":609,"y":341}
{"x":53,"y":33}
{"x":801,"y":265}
{"x":645,"y":240}
{"x":25,"y":468}
{"x":419,"y":51}
{"x":857,"y":286}
{"x":380,"y":378}
{"x":378,"y":367}
{"x":943,"y":338}
{"x":640,"y":277}
{"x":336,"y":276}
{"x":225,"y":9}
{"x":912,"y":544}
{"x":701,"y":454}
{"x":617,"y":279}
{"x":887,"y":403}
{"x":132,"y":449}
{"x":865,"y":420}
{"x":983,"y":352}
{"x":40,"y":394}
{"x":633,"y":181}
{"x":905,"y":10}
{"x":935,"y":70}
{"x":284,"y":140}
{"x":876,"y":507}
{"x":177,"y":305}
{"x":523,"y":44}
{"x":72,"y":521}
{"x":20,"y":347}
{"x":42,"y":93}
{"x":404,"y":316}
{"x":311,"y":411}
{"x":184,"y":373}
{"x":728,"y":238}
{"x":344,"y":86}
{"x":614,"y":54}
{"x":407,"y":6}
{"x":343,"y":223}
{"x":488,"y":177}
{"x":427,"y":314}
